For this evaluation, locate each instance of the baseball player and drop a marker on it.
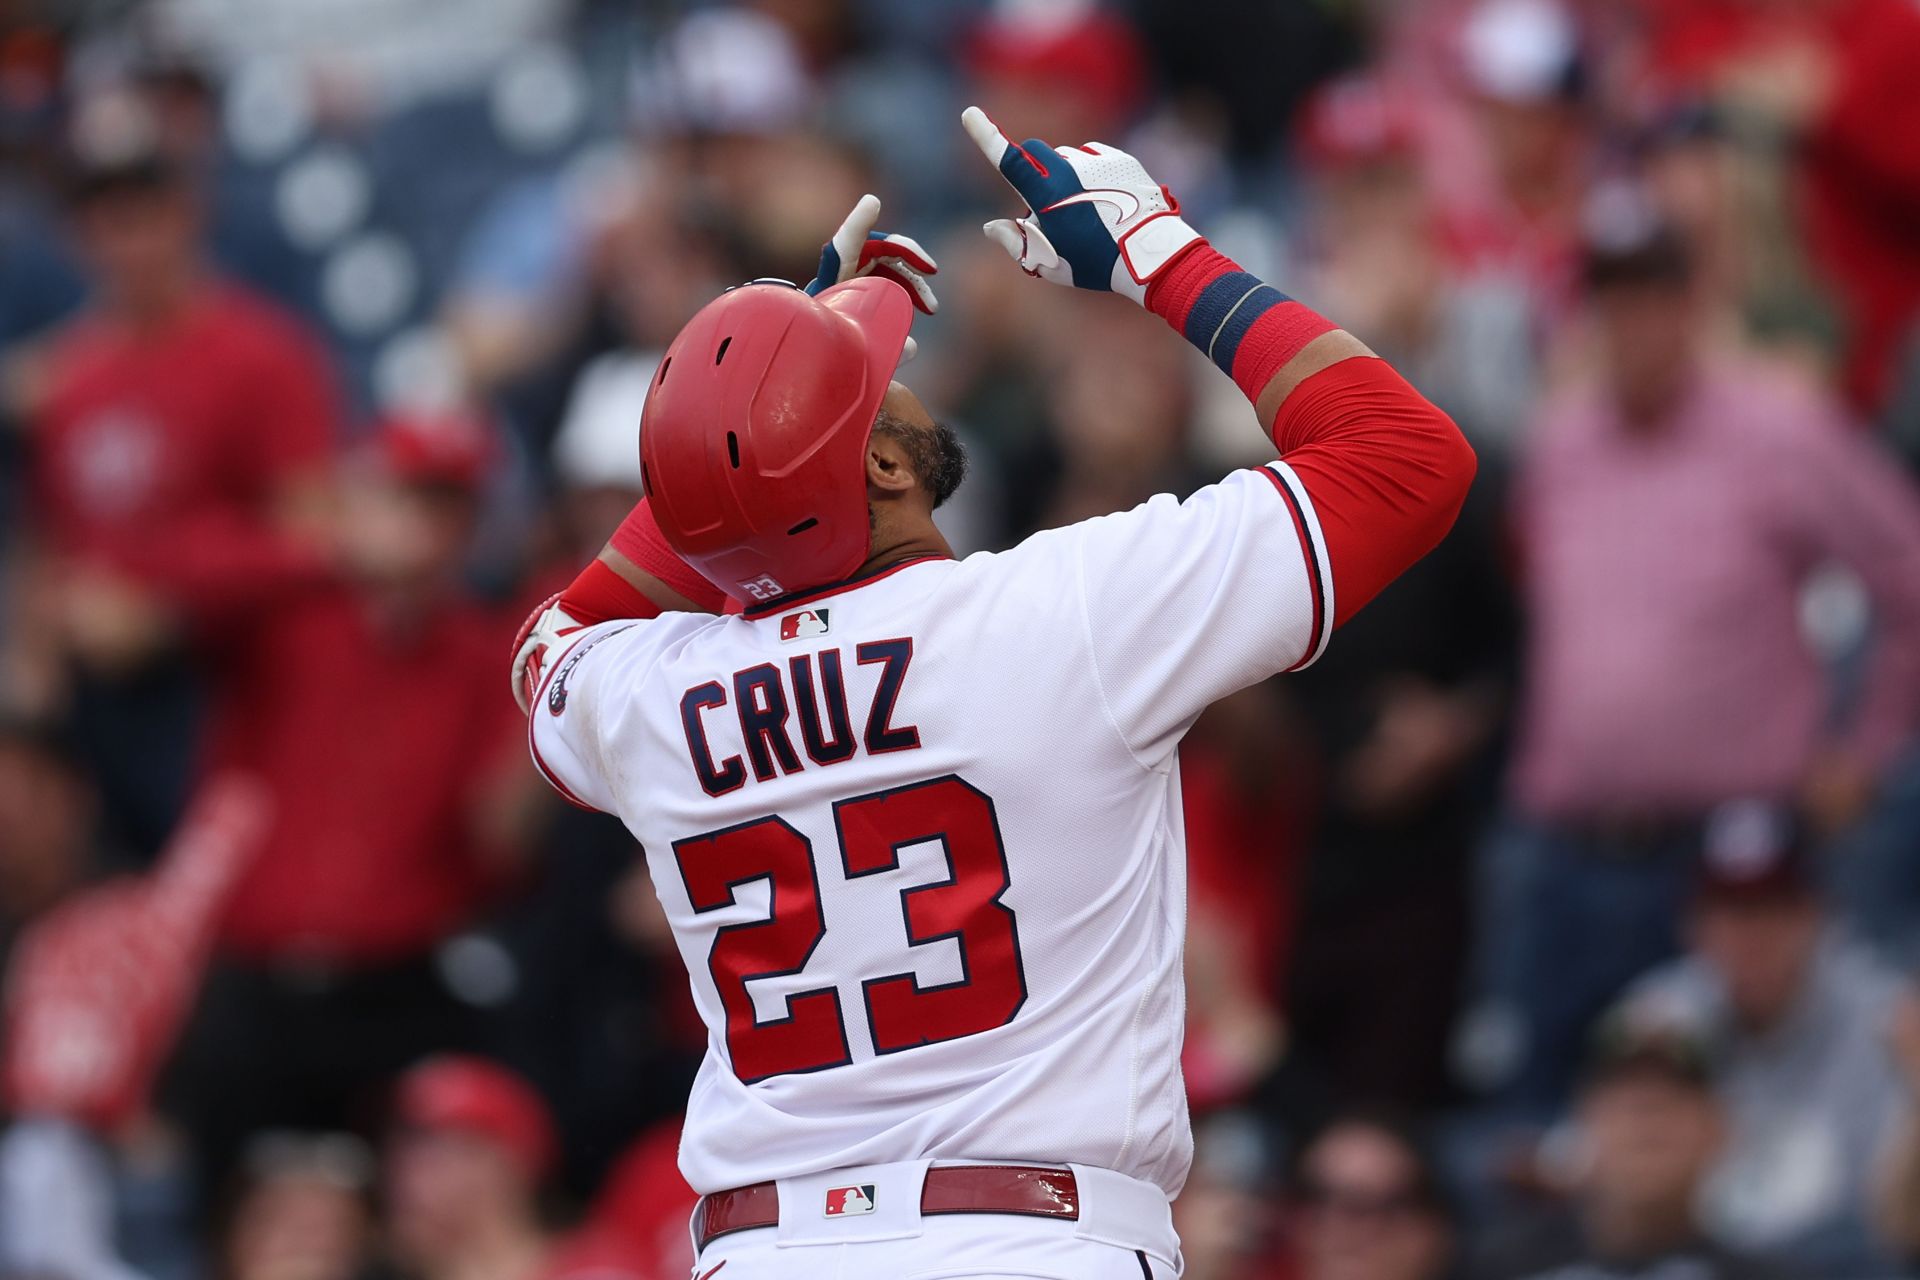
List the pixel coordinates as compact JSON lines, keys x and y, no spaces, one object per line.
{"x":916,"y":820}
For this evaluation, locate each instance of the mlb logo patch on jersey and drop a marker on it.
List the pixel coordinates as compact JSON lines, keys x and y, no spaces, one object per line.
{"x":801,"y":625}
{"x":845,"y":1202}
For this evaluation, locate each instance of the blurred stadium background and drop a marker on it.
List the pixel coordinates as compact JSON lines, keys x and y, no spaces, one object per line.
{"x":1561,"y":922}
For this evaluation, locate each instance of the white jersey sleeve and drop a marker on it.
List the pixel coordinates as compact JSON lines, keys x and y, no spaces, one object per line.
{"x":1188,"y":601}
{"x":566,"y":723}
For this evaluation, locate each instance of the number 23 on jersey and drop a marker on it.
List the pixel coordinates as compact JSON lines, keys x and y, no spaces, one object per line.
{"x":902,"y":1013}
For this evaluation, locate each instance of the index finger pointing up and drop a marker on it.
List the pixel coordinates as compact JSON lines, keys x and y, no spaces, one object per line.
{"x":986,"y":135}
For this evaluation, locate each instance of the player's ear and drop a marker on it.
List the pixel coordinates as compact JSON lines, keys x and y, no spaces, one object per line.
{"x":889,"y":466}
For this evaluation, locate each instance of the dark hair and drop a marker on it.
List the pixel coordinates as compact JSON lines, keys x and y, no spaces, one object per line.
{"x":1429,"y":1191}
{"x":87,"y":183}
{"x":935,"y":452}
{"x":41,"y":737}
{"x":1660,"y":257}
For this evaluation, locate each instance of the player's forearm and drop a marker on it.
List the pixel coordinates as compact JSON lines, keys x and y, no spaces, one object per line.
{"x":637,"y":575}
{"x":1386,"y":469}
{"x":1265,"y":341}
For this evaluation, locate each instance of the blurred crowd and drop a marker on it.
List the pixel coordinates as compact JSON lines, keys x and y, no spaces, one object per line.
{"x":1561,"y":922}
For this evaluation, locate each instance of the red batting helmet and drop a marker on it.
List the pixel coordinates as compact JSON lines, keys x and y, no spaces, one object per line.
{"x":755,"y":432}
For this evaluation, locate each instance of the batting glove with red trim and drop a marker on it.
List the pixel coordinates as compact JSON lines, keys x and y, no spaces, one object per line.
{"x":1095,"y":219}
{"x":544,"y":633}
{"x":858,"y":250}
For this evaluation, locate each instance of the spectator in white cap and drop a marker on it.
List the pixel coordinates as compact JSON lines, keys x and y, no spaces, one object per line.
{"x":1521,"y":65}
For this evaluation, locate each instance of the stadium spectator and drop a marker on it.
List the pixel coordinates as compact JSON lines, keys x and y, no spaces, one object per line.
{"x":1896,"y":1202}
{"x":1511,"y":200}
{"x":48,"y":826}
{"x":97,"y":990}
{"x":1229,"y":1222}
{"x":1400,"y":721}
{"x":637,"y":1226}
{"x":1668,"y":516}
{"x":548,"y":189}
{"x":1065,"y":70}
{"x":181,"y":427}
{"x":1400,"y":717}
{"x":1828,"y":86}
{"x":1799,"y":1017}
{"x":1647,"y":1129}
{"x":303,"y":1210}
{"x":1240,"y":806}
{"x":368,"y":697}
{"x":1375,"y":251}
{"x":1369,"y":1205}
{"x":464,"y":1165}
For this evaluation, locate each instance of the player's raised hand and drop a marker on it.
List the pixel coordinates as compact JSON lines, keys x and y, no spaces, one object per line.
{"x":1096,"y":219}
{"x":858,"y":250}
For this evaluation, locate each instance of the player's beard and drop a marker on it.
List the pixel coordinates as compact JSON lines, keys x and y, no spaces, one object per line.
{"x":935,"y":452}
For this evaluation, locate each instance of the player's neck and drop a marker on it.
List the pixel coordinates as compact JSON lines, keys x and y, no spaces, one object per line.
{"x":915,"y":539}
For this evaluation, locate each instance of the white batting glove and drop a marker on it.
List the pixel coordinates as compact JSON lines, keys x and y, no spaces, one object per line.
{"x":858,"y":250}
{"x":1096,"y":219}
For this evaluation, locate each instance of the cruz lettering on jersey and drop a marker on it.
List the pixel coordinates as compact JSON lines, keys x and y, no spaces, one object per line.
{"x":765,"y":707}
{"x":715,"y":781}
{"x":882,"y":737}
{"x":820,"y":748}
{"x":846,"y":1201}
{"x":762,"y":702}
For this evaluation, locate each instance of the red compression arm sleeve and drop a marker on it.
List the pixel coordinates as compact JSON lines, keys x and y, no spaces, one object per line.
{"x":1386,"y":469}
{"x":599,"y":593}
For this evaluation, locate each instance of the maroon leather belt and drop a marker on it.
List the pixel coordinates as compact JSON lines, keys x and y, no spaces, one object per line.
{"x":949,"y":1188}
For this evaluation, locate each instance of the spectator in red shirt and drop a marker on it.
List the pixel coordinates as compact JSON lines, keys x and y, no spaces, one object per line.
{"x":471,"y":1148}
{"x":370,"y":702}
{"x":636,"y":1228}
{"x":180,"y":430}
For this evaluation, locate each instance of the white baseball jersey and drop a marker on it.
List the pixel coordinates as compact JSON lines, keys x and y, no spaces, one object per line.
{"x":919,"y":835}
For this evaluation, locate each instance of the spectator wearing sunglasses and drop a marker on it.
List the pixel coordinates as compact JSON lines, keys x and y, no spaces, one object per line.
{"x":1368,"y":1205}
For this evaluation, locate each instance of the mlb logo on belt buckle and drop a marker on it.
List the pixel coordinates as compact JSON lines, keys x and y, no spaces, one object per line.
{"x":844,"y":1202}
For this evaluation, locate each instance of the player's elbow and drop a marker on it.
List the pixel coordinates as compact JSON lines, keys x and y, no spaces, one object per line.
{"x":1455,"y":466}
{"x":1440,"y":466}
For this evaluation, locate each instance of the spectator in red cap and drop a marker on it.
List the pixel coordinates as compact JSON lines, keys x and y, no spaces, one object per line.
{"x":472,"y":1143}
{"x":1376,"y":247}
{"x":1069,"y":71}
{"x":369,"y":700}
{"x":1827,"y":88}
{"x":180,"y":429}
